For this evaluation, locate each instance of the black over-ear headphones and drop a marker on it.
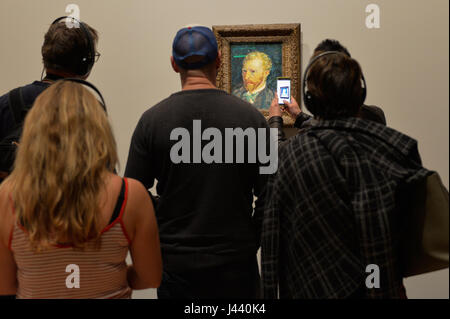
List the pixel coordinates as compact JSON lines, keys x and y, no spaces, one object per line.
{"x":309,"y":99}
{"x":88,"y":58}
{"x":90,"y":85}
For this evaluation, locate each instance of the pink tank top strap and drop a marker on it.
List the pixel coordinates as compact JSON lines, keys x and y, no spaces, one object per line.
{"x":122,"y":211}
{"x":119,"y":210}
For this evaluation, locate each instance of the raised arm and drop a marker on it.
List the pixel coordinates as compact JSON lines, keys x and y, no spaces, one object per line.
{"x":293,"y":109}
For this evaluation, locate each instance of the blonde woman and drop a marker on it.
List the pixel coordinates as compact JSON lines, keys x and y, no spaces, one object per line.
{"x":66,"y":221}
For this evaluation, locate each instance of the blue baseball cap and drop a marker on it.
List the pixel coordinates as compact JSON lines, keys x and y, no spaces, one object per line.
{"x":194,"y":41}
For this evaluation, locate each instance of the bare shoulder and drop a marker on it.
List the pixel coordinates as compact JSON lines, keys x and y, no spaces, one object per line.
{"x":136,"y":192}
{"x":138,"y":205}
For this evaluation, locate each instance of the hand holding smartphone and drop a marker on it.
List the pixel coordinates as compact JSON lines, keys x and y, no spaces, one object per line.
{"x":283,"y":90}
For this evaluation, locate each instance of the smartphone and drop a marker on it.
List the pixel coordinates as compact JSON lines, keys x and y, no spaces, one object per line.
{"x":283,"y":89}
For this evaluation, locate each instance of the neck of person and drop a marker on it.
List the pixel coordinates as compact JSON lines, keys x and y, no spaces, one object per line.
{"x":54,"y":75}
{"x":197,"y":80}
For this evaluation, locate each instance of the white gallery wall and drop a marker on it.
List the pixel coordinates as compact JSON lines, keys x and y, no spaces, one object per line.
{"x":405,"y":61}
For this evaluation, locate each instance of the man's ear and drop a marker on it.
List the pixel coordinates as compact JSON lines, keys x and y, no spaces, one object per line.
{"x":174,"y":65}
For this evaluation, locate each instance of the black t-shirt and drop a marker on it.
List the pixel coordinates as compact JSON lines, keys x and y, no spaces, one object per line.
{"x":29,"y":92}
{"x":204,"y":208}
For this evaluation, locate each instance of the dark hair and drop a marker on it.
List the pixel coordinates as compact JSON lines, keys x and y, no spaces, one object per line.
{"x":335,"y":83}
{"x":331,"y":45}
{"x":64,"y":48}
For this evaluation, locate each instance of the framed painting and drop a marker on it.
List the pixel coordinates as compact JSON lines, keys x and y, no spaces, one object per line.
{"x":254,"y":56}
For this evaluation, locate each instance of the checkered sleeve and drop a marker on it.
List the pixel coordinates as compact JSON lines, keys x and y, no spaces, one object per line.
{"x":270,"y":231}
{"x":270,"y":244}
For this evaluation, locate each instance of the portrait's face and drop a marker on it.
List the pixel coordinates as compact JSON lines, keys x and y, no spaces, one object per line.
{"x":253,"y":74}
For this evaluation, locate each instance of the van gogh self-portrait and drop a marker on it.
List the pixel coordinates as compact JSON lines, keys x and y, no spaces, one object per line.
{"x":254,"y":69}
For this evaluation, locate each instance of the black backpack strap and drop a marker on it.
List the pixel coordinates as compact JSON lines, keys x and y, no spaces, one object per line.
{"x":119,"y":203}
{"x":17,"y":105}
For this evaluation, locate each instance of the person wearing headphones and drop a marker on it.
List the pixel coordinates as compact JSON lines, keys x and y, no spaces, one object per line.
{"x":331,"y":210}
{"x":67,"y":221}
{"x":368,"y":112}
{"x":67,"y":52}
{"x":209,"y":230}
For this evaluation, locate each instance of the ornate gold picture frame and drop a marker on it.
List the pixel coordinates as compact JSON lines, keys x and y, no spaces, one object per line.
{"x":278,"y":48}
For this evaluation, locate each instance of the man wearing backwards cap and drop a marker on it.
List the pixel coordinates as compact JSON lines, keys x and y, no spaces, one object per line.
{"x":209,"y":234}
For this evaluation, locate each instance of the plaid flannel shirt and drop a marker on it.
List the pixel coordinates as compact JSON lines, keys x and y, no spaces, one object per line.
{"x":330,"y":211}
